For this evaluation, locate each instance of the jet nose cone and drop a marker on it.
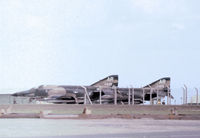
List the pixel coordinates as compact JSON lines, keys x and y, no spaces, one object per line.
{"x":23,"y":93}
{"x":14,"y":94}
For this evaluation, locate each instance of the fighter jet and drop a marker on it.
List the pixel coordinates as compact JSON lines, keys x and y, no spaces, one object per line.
{"x":105,"y":91}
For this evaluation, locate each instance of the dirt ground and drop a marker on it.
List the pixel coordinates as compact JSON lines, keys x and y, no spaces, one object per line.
{"x":109,"y":121}
{"x":108,"y":111}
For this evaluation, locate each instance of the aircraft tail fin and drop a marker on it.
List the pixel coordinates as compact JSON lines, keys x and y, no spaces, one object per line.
{"x":161,"y":83}
{"x":109,"y":81}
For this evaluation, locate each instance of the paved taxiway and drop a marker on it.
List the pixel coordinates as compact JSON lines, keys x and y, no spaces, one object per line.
{"x":98,"y":128}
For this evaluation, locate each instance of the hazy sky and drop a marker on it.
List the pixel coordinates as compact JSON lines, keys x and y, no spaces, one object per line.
{"x":82,"y":41}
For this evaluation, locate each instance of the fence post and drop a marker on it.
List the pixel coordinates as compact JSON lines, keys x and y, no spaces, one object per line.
{"x":129,"y":96}
{"x":150,"y":95}
{"x":168,"y":96}
{"x":115,"y":95}
{"x":86,"y":95}
{"x":183,"y":95}
{"x":157,"y":96}
{"x":186,"y":93}
{"x":9,"y":99}
{"x":197,"y":96}
{"x":143,"y":90}
{"x":133,"y":96}
{"x":100,"y":102}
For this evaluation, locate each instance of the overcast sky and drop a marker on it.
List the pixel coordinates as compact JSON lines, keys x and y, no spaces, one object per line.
{"x":82,"y":41}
